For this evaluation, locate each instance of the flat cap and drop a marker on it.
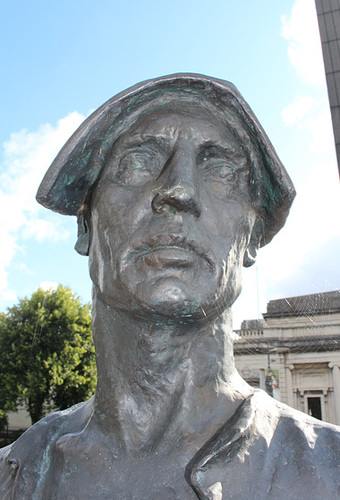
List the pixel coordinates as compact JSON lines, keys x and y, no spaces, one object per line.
{"x":76,"y":168}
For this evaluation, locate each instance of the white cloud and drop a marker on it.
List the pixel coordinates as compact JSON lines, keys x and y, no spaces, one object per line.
{"x":310,"y":226}
{"x":41,"y":230}
{"x":304,"y":50}
{"x":26,"y":158}
{"x":312,"y":115}
{"x":9,"y":296}
{"x":311,"y":223}
{"x":297,"y":110}
{"x":48,"y":285}
{"x":302,"y":257}
{"x":21,"y":266}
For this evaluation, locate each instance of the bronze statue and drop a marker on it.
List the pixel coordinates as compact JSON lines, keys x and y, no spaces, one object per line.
{"x":175,"y":186}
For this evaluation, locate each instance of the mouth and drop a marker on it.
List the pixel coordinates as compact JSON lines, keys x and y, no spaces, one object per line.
{"x":170,"y":251}
{"x":169,"y":256}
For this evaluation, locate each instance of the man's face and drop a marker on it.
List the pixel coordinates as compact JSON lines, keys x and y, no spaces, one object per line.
{"x":172,"y":216}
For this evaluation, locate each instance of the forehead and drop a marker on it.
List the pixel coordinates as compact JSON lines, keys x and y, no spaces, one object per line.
{"x":180,"y":120}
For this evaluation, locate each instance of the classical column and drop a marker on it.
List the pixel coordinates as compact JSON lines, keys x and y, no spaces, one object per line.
{"x":336,"y":388}
{"x":289,"y":384}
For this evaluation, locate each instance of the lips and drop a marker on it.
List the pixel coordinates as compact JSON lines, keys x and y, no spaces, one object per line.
{"x":170,"y":251}
{"x":170,"y":256}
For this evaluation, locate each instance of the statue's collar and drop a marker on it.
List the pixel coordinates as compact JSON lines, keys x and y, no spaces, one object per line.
{"x":214,"y":462}
{"x":230,"y":440}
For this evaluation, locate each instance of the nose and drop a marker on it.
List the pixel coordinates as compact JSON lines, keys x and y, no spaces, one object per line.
{"x":179,"y":190}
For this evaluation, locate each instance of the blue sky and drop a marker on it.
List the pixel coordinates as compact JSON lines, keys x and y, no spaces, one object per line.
{"x":61,"y":60}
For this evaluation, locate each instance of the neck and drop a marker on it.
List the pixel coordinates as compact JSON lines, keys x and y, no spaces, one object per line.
{"x":155,"y":377}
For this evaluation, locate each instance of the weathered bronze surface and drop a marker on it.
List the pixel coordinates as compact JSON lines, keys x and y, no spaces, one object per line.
{"x":176,"y":187}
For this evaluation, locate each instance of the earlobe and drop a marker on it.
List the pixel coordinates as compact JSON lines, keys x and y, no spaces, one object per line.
{"x":254,"y":244}
{"x":82,"y":245}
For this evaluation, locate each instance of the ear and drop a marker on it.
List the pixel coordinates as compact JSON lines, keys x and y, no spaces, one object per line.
{"x":254,"y":244}
{"x":83,"y":242}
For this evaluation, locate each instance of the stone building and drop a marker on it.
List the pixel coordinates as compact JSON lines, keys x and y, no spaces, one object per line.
{"x":294,"y":353}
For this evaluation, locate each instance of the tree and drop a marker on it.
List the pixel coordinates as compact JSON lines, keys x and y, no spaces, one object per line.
{"x":46,"y":353}
{"x":3,"y":420}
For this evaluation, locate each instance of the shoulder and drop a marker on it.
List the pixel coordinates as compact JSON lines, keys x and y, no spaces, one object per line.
{"x":295,"y":427}
{"x":6,"y":473}
{"x":271,"y":451}
{"x":270,"y":409}
{"x":21,"y":462}
{"x":303,"y":452}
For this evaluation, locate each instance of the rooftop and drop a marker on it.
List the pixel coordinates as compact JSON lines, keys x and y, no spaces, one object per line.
{"x":317,"y":303}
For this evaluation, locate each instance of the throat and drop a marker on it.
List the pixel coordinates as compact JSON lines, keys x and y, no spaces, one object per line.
{"x":150,"y":406}
{"x":160,"y":386}
{"x":149,"y":397}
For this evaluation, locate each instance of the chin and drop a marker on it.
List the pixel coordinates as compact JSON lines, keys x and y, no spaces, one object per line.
{"x":175,"y":300}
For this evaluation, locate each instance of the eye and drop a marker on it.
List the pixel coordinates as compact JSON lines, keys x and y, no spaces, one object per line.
{"x":219,"y":170}
{"x":139,"y":166}
{"x":224,"y":172}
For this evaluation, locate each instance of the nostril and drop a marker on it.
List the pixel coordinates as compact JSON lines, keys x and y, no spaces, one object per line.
{"x":157,"y":203}
{"x":176,"y":199}
{"x":162,"y":207}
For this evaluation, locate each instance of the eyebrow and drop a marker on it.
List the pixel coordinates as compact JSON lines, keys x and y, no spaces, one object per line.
{"x":165,"y":145}
{"x":221,"y":150}
{"x":136,"y":141}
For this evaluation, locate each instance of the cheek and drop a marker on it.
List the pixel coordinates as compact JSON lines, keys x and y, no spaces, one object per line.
{"x":99,"y":254}
{"x":232,"y":229}
{"x":122,"y":208}
{"x":232,"y":266}
{"x":114,"y":214}
{"x":115,"y":217}
{"x":230,"y":240}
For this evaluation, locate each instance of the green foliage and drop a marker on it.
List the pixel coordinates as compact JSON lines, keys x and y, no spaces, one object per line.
{"x":3,"y":420}
{"x":46,"y":353}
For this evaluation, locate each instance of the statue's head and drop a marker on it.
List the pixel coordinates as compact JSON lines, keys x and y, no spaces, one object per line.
{"x":176,"y":186}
